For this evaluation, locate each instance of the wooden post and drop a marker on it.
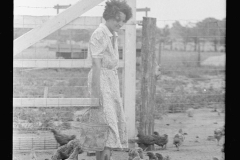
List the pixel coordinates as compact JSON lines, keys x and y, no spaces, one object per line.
{"x":148,"y":80}
{"x":44,"y":143}
{"x":146,"y":10}
{"x":57,"y":7}
{"x":45,"y":94}
{"x":19,"y":143}
{"x":199,"y":53}
{"x":129,"y":72}
{"x":159,"y":52}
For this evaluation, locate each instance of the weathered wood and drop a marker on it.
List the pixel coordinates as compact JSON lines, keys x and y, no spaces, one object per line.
{"x":45,"y":94}
{"x":54,"y":102}
{"x":55,"y":63}
{"x":53,"y":24}
{"x":129,"y":74}
{"x":159,"y":52}
{"x":199,"y":54}
{"x":148,"y":80}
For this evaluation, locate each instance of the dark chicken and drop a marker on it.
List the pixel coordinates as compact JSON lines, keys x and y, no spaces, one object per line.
{"x":62,"y":139}
{"x":69,"y":150}
{"x":145,"y":141}
{"x":151,"y":156}
{"x":160,"y":157}
{"x":160,"y":140}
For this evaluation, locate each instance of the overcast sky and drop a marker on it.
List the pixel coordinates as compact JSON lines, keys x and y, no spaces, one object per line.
{"x":164,"y":10}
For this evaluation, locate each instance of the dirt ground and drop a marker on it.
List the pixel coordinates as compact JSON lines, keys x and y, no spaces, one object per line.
{"x":195,"y":147}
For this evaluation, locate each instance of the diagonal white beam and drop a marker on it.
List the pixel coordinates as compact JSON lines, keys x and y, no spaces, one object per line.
{"x":38,"y":33}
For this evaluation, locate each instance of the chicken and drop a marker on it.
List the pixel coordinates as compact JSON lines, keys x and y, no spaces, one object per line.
{"x":72,"y":148}
{"x":145,"y":141}
{"x":160,"y":157}
{"x":62,"y":139}
{"x":166,"y":158}
{"x":215,"y":158}
{"x":151,"y":156}
{"x":140,"y":152}
{"x":135,"y":154}
{"x":179,"y":138}
{"x":33,"y":154}
{"x":218,"y":133}
{"x":190,"y":112}
{"x":160,"y":140}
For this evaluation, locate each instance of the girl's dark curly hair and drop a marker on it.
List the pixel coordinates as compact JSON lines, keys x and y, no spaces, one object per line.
{"x":113,"y":7}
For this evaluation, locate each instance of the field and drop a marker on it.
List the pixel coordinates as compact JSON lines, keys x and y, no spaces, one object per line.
{"x":201,"y":125}
{"x":182,"y":85}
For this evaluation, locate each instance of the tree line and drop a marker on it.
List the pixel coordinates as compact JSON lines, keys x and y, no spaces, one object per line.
{"x":208,"y":30}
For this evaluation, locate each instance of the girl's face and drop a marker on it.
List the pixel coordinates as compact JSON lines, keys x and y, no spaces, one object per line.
{"x":117,"y":23}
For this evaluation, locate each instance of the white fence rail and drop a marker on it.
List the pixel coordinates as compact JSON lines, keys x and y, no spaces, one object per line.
{"x":55,"y":63}
{"x":54,"y":102}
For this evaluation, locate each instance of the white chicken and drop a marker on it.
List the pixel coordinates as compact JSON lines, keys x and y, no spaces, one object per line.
{"x":179,"y":138}
{"x":33,"y":155}
{"x":190,"y":112}
{"x":135,"y":154}
{"x":219,"y":133}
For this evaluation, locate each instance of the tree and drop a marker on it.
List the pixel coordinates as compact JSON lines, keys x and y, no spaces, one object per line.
{"x":194,"y":37}
{"x":222,"y":29}
{"x":209,"y":29}
{"x":180,"y":31}
{"x":162,"y":36}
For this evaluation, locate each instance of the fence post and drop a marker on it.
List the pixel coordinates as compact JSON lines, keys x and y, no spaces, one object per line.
{"x":129,"y":73}
{"x":199,"y":53}
{"x":44,"y":143}
{"x":19,"y":143}
{"x":45,"y":94}
{"x":148,"y":80}
{"x":159,"y":53}
{"x":32,"y":143}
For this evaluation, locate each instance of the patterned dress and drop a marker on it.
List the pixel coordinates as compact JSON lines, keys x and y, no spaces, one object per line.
{"x":103,"y":44}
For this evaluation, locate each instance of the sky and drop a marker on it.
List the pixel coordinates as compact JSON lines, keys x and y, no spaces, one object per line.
{"x":166,"y":11}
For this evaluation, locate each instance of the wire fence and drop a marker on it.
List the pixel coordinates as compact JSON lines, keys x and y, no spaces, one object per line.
{"x":180,"y":49}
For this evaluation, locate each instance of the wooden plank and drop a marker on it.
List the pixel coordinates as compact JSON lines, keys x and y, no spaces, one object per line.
{"x":53,"y":24}
{"x":143,"y":9}
{"x":53,"y":102}
{"x":55,"y":63}
{"x":129,"y":81}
